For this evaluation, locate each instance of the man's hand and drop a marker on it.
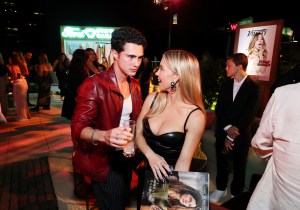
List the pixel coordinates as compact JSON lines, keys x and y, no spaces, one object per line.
{"x":233,"y":132}
{"x":228,"y":145}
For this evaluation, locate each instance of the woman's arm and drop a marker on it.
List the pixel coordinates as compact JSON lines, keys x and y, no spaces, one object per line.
{"x":157,"y":163}
{"x":26,"y":71}
{"x":50,"y":69}
{"x":140,"y":140}
{"x":195,"y":128}
{"x":91,"y":67}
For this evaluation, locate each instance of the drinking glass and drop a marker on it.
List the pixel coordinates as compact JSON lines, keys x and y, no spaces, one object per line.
{"x":129,"y":149}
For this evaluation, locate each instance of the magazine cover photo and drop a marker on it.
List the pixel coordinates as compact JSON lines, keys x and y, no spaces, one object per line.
{"x":183,"y":190}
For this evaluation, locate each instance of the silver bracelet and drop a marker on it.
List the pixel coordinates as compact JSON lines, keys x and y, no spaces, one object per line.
{"x":92,"y":138}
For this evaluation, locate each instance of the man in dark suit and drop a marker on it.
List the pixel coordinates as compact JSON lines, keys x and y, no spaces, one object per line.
{"x":236,"y":108}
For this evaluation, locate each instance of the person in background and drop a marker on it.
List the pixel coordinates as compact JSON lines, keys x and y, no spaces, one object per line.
{"x":24,"y":68}
{"x":92,"y":64}
{"x":61,"y":68}
{"x":105,"y":62}
{"x":2,"y":117}
{"x":103,"y":102}
{"x":236,"y":108}
{"x":27,"y":58}
{"x":44,"y":70}
{"x":3,"y":85}
{"x":172,"y":121}
{"x":277,"y":141}
{"x":77,"y":74}
{"x":20,"y":87}
{"x":153,"y":81}
{"x":145,"y":74}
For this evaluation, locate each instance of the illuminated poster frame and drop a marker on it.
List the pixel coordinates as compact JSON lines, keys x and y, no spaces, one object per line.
{"x":262,"y":69}
{"x":82,"y":37}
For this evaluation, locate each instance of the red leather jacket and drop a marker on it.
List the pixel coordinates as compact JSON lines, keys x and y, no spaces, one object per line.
{"x":99,"y":105}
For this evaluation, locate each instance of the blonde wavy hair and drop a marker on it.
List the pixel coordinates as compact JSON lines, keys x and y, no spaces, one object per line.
{"x":251,"y":47}
{"x":187,"y":66}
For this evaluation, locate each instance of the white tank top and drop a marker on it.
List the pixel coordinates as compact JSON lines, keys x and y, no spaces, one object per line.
{"x":126,"y":111}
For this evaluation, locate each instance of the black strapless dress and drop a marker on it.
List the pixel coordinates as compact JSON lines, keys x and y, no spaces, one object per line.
{"x":167,"y":145}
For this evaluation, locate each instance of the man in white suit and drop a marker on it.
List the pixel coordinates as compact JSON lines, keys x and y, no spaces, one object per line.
{"x":278,"y":141}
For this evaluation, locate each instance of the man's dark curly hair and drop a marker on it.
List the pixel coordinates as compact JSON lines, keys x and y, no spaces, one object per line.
{"x":124,"y":35}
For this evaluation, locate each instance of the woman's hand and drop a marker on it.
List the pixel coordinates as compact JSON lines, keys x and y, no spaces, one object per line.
{"x":160,"y":167}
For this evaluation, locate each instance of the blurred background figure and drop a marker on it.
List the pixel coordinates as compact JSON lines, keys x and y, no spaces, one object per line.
{"x":31,"y":72}
{"x":61,"y":68}
{"x":105,"y":62}
{"x":3,"y":84}
{"x":2,"y":117}
{"x":153,"y":81}
{"x":44,"y":70}
{"x":77,"y":74}
{"x":20,"y":87}
{"x":92,"y":64}
{"x":144,"y":74}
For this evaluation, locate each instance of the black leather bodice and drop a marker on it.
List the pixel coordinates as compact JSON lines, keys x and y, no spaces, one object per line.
{"x":167,"y":145}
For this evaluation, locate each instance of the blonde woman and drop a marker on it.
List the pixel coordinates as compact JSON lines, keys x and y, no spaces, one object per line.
{"x":44,"y":70}
{"x":20,"y":87}
{"x":257,"y":55}
{"x":172,"y":121}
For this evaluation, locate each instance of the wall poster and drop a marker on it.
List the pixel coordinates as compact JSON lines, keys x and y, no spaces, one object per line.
{"x":261,"y":43}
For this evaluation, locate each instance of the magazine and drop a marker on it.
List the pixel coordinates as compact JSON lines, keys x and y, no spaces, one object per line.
{"x":183,"y":190}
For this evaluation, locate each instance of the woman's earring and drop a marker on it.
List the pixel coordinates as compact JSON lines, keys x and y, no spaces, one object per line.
{"x":173,"y":87}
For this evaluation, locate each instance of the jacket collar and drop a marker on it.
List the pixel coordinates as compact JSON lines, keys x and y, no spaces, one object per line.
{"x":113,"y":80}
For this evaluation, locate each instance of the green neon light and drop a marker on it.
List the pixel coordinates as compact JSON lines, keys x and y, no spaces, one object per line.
{"x":287,"y":31}
{"x":87,"y":33}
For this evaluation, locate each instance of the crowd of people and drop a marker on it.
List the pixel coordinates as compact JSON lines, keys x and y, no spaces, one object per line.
{"x":17,"y":74}
{"x":170,"y":122}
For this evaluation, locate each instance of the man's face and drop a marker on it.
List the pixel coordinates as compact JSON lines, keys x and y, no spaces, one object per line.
{"x":129,"y":60}
{"x":231,"y":68}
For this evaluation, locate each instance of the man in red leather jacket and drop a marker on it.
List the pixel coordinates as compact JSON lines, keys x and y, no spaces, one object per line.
{"x":103,"y":101}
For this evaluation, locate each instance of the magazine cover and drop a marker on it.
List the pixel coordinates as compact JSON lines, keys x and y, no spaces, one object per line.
{"x":183,"y":190}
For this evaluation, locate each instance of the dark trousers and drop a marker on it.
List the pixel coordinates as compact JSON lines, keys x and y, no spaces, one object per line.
{"x":114,"y":193}
{"x":235,"y":161}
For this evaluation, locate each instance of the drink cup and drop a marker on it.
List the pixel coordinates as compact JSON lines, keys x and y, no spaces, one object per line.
{"x":129,"y":149}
